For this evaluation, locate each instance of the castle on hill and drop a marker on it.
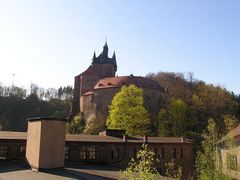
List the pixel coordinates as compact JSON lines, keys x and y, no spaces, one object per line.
{"x":95,"y":88}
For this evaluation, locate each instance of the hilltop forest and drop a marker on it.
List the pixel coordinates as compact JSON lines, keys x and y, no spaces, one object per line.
{"x":16,"y":105}
{"x":188,"y":105}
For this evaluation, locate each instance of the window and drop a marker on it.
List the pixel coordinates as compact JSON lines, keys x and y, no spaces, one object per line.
{"x":83,"y":153}
{"x":22,"y":151}
{"x":162,"y":153}
{"x":66,"y":152}
{"x":232,"y":161}
{"x":116,"y":153}
{"x":92,"y":153}
{"x":3,"y":151}
{"x":112,"y":155}
{"x":155,"y":152}
{"x":134,"y":153}
{"x":174,"y":153}
{"x":181,"y":153}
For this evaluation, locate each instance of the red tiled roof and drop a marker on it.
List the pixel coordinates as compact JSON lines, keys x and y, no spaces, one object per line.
{"x":92,"y":69}
{"x":88,"y":93}
{"x":113,"y":82}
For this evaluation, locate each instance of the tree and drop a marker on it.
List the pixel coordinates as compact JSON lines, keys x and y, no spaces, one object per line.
{"x":77,"y":125}
{"x":206,"y":159}
{"x":94,"y":125}
{"x":230,"y":122}
{"x":178,"y":116}
{"x":164,"y":123}
{"x":141,"y":168}
{"x":173,"y":170}
{"x":174,"y":121}
{"x":127,"y":111}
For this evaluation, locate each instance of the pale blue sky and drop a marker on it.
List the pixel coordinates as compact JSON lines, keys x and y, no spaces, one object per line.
{"x":49,"y":42}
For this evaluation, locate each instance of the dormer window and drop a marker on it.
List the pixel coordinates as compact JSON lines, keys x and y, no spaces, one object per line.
{"x":100,"y":84}
{"x":109,"y":84}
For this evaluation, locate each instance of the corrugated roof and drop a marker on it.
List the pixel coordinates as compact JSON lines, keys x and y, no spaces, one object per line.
{"x":98,"y":138}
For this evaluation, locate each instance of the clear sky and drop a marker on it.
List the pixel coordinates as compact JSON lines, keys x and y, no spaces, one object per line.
{"x":48,"y":42}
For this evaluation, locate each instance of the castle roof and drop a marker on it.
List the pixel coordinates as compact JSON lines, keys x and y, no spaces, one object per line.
{"x":117,"y":82}
{"x":104,"y":59}
{"x":93,"y":69}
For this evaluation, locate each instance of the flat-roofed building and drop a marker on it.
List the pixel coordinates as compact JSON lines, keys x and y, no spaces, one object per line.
{"x":111,"y":147}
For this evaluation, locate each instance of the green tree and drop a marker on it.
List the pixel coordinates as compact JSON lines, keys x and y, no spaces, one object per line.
{"x":77,"y":125}
{"x":206,"y":159}
{"x":127,"y":111}
{"x":230,"y":122}
{"x":174,"y":121}
{"x":141,"y":168}
{"x":178,"y":116}
{"x":173,"y":170}
{"x":94,"y":125}
{"x":164,"y":123}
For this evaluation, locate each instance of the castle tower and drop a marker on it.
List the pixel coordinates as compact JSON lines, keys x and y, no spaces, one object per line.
{"x":102,"y":66}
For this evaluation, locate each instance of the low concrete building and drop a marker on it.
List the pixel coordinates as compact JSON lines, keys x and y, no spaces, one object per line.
{"x":45,"y":143}
{"x":228,"y":153}
{"x":111,"y":147}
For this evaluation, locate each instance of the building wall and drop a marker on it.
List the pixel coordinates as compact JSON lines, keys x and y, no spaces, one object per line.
{"x":45,"y":143}
{"x":119,"y":154}
{"x":33,"y":144}
{"x":98,"y":102}
{"x":224,"y":156}
{"x":11,"y":150}
{"x":52,"y":144}
{"x":85,"y":82}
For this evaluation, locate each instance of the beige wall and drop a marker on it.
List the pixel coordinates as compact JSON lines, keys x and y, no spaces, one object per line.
{"x":33,"y":143}
{"x":222,"y":161}
{"x":45,"y":144}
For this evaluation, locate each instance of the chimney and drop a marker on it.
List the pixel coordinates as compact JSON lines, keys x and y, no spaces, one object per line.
{"x":145,"y":139}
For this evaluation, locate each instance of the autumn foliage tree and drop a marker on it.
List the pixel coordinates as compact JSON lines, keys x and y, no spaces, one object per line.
{"x":127,"y":111}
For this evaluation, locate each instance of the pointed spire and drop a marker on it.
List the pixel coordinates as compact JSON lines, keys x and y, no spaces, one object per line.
{"x":105,"y":45}
{"x":94,"y":55}
{"x":105,"y":51}
{"x":114,"y":55}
